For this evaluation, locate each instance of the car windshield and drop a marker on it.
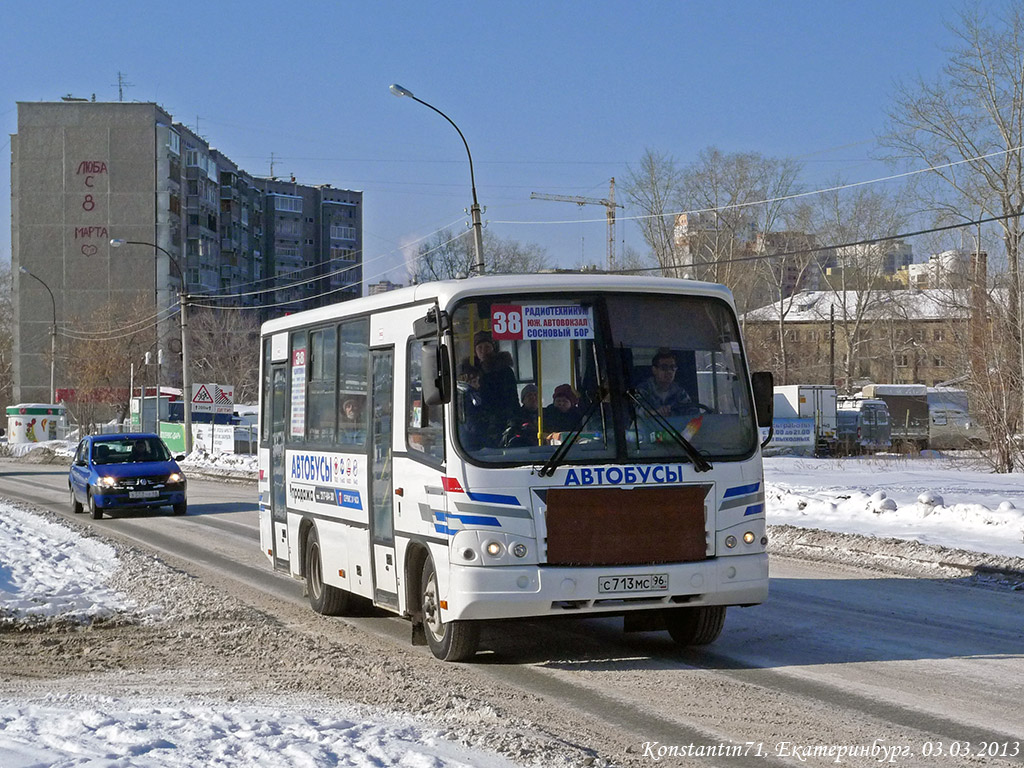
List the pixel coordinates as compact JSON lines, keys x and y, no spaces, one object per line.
{"x":125,"y":450}
{"x":638,"y":376}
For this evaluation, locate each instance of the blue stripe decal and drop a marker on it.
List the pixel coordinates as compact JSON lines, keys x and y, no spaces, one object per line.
{"x":755,"y":509}
{"x":739,"y":490}
{"x":442,"y":529}
{"x":493,"y":498}
{"x":470,"y":519}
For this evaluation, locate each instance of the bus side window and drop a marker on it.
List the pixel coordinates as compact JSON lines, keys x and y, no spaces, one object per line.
{"x":352,"y":382}
{"x":424,"y":424}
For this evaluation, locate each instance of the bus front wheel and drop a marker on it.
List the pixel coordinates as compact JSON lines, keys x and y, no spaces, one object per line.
{"x":323,"y":598}
{"x":448,"y":640}
{"x":695,"y":626}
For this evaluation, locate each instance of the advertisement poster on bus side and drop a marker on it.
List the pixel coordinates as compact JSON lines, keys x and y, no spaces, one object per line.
{"x":298,"y":420}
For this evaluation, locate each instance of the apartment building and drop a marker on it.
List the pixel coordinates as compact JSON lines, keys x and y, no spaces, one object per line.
{"x":85,"y":172}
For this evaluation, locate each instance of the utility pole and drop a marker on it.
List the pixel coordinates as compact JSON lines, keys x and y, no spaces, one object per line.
{"x":609,"y":203}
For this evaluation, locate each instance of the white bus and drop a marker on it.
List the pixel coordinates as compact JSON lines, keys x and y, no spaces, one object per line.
{"x":519,"y":446}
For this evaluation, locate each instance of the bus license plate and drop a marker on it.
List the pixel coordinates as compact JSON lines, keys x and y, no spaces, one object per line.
{"x":644,"y":582}
{"x":143,"y":494}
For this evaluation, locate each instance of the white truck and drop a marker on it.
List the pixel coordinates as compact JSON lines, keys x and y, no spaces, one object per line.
{"x":807,"y":402}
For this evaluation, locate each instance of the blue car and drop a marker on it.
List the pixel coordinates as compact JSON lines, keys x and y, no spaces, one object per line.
{"x":128,"y":470}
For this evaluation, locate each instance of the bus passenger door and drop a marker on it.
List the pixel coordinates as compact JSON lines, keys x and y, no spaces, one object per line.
{"x":278,"y":490}
{"x":382,"y":526}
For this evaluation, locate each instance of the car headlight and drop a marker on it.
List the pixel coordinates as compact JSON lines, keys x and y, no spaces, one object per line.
{"x":107,"y":481}
{"x":175,"y":477}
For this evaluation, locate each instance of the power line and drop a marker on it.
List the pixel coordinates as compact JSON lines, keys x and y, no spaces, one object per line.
{"x":817,"y":249}
{"x":326,"y":293}
{"x":784,"y":198}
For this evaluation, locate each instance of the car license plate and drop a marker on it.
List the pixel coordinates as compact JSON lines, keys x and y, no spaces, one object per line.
{"x":143,"y":494}
{"x":644,"y":582}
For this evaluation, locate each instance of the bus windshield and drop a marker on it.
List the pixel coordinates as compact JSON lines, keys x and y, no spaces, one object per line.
{"x":623,"y":376}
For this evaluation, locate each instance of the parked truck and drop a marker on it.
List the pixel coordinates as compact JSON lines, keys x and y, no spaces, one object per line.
{"x":908,"y":413}
{"x":810,"y":401}
{"x":952,"y":427}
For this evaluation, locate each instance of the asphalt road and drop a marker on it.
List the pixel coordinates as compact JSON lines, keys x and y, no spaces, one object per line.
{"x":895,"y":670}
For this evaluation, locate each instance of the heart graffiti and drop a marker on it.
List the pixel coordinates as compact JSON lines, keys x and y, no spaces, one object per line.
{"x":89,"y":250}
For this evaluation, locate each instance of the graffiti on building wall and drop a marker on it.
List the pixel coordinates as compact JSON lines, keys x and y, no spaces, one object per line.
{"x":87,"y":172}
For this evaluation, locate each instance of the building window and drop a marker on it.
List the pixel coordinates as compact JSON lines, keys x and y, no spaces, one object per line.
{"x":940,"y":335}
{"x":292,"y":204}
{"x":342,"y":254}
{"x":339,"y":232}
{"x":938,"y":362}
{"x":902,"y":361}
{"x":174,"y":142}
{"x":288,"y":228}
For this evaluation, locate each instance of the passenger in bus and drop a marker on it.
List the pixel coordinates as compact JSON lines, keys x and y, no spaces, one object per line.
{"x":497,"y":383}
{"x":661,"y":391}
{"x":473,"y":419}
{"x":352,"y":430}
{"x":563,"y":414}
{"x":522,"y":428}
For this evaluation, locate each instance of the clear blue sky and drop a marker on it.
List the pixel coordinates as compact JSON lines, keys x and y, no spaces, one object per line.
{"x":553,"y":97}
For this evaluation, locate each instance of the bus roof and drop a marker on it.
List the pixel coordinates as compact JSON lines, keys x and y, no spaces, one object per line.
{"x":446,"y":292}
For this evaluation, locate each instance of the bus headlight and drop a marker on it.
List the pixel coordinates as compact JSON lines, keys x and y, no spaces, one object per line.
{"x":519,"y":549}
{"x":494,"y":548}
{"x":749,"y":537}
{"x":730,"y":541}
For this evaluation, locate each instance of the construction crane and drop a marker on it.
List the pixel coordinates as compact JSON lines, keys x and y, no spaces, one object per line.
{"x":609,"y":204}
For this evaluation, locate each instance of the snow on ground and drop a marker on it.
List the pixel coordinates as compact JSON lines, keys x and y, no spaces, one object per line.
{"x":936,"y":501}
{"x":48,"y":571}
{"x":101,"y":732}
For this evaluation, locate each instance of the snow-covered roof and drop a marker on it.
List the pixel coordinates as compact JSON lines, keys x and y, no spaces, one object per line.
{"x":816,"y":306}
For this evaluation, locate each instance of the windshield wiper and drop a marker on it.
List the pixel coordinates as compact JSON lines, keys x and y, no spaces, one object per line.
{"x":699,"y":462}
{"x":560,"y":453}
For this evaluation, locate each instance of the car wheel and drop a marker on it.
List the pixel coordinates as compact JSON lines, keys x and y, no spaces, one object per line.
{"x":695,"y":626}
{"x":95,"y":511}
{"x":323,"y":598}
{"x":76,"y":505}
{"x":448,"y":640}
{"x":181,"y":509}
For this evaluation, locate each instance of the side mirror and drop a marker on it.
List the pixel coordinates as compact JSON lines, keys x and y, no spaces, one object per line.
{"x":80,"y":463}
{"x":763,"y":384}
{"x":180,"y":457}
{"x":437,"y":374}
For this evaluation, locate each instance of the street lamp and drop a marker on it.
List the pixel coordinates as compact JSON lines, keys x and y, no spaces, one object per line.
{"x":53,"y":335}
{"x":186,"y":380}
{"x":478,"y":238}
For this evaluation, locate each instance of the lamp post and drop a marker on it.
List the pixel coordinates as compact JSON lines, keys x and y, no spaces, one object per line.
{"x":478,"y":238}
{"x":53,"y":335}
{"x":186,"y":379}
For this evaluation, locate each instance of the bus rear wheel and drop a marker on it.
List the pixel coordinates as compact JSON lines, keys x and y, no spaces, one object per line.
{"x":695,"y":626}
{"x":448,"y":640}
{"x":323,"y":598}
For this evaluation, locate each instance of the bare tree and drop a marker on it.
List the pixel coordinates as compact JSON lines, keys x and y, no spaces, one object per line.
{"x":224,"y":349}
{"x":858,"y":278}
{"x":973,"y":114}
{"x":447,"y":255}
{"x":654,"y":193}
{"x":99,"y":353}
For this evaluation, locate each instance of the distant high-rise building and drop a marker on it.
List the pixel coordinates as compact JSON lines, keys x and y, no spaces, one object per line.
{"x":383,"y":287}
{"x":84,"y":172}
